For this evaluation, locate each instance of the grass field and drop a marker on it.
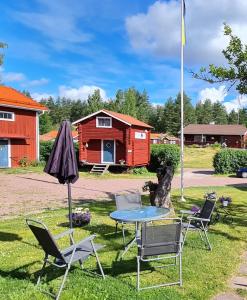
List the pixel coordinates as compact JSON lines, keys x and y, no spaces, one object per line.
{"x":201,"y":158}
{"x":205,"y":273}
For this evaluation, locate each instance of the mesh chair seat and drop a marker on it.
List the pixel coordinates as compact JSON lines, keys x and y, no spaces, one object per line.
{"x":162,"y":239}
{"x":83,"y":251}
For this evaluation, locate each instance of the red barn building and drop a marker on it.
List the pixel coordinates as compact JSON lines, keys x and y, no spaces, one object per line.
{"x":19,"y":127}
{"x":233,"y":136}
{"x":107,"y":137}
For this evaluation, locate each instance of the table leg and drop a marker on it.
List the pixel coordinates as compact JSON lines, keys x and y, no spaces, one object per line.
{"x":135,"y":239}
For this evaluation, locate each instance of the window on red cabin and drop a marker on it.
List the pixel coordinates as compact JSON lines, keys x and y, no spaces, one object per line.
{"x":104,"y":122}
{"x":7,"y":116}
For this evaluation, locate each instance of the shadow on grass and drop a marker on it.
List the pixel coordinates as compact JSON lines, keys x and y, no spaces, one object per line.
{"x":9,"y":237}
{"x":20,"y":273}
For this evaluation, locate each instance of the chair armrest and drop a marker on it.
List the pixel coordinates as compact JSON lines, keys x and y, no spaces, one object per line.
{"x":198,"y":219}
{"x":187,"y":212}
{"x":62,"y":234}
{"x":87,"y":239}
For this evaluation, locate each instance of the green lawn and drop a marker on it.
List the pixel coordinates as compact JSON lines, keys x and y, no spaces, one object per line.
{"x":205,"y":273}
{"x":201,"y":158}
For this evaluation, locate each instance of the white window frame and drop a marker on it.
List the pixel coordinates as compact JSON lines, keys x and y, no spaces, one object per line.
{"x":7,"y":112}
{"x":97,"y":122}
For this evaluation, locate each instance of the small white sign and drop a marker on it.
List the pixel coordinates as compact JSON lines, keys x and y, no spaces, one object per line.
{"x":140,"y":135}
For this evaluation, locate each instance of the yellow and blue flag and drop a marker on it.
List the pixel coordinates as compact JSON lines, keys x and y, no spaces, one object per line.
{"x":183,"y":24}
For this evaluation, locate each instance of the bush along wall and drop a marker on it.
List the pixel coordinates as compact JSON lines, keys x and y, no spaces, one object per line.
{"x":167,"y":154}
{"x":46,"y":147}
{"x":229,"y":161}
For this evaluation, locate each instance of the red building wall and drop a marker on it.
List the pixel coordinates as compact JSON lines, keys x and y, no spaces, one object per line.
{"x":23,"y":125}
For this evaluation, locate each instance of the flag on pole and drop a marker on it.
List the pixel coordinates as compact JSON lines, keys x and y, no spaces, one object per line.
{"x":183,"y":24}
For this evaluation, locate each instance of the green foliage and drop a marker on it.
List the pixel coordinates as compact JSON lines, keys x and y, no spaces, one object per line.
{"x":94,"y":102}
{"x":141,"y":170}
{"x":2,"y":46}
{"x":164,"y":154}
{"x":45,"y":150}
{"x":236,"y":72}
{"x":45,"y":123}
{"x":24,"y":162}
{"x":229,"y":161}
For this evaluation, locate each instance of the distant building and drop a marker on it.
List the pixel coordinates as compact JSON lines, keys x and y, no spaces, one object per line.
{"x":163,"y":138}
{"x":107,"y":137}
{"x":51,"y":136}
{"x":233,"y":136}
{"x":19,"y":127}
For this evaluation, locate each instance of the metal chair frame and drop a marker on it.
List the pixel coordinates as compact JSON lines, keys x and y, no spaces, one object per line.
{"x":162,"y":256}
{"x":202,"y":224}
{"x":60,"y":259}
{"x":119,"y":197}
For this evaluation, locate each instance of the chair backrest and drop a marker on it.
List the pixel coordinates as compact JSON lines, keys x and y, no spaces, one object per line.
{"x":160,"y":239}
{"x":128,"y":200}
{"x":207,"y":210}
{"x":44,"y":238}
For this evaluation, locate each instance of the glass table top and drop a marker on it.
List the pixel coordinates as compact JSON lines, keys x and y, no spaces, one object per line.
{"x":143,"y":214}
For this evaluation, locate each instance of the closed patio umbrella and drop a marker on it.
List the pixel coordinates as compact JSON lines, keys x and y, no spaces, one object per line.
{"x":62,"y":162}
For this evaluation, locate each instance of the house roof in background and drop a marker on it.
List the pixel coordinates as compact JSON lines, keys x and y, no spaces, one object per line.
{"x":49,"y":136}
{"x":215,"y":129}
{"x":10,"y":97}
{"x":161,"y":136}
{"x":121,"y":117}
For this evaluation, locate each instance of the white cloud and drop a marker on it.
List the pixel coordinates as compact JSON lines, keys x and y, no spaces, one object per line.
{"x":213,"y":94}
{"x":235,"y":104}
{"x":36,"y":82}
{"x":13,"y":77}
{"x":80,"y":93}
{"x":158,"y":30}
{"x":40,"y":96}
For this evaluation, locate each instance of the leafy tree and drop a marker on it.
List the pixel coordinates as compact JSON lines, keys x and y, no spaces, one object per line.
{"x":243,"y":116}
{"x":45,"y":123}
{"x":26,"y":93}
{"x":156,"y":118}
{"x":169,"y":118}
{"x":233,"y":117}
{"x":204,"y":112}
{"x":130,"y":103}
{"x":143,"y":106}
{"x":236,"y":71}
{"x":2,"y":46}
{"x":94,"y":102}
{"x":219,"y":113}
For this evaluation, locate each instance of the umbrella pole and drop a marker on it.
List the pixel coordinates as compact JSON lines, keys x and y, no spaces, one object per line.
{"x":70,"y":205}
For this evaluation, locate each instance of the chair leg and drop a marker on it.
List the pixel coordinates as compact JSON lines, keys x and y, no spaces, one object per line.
{"x":98,"y":261}
{"x":116,"y":228}
{"x":138,"y":273}
{"x":63,"y":282}
{"x":123,"y":232}
{"x":207,"y":239}
{"x":180,"y":269}
{"x":42,"y":270}
{"x":184,"y":238}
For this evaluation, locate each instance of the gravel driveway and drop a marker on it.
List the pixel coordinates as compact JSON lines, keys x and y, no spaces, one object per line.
{"x":31,"y":192}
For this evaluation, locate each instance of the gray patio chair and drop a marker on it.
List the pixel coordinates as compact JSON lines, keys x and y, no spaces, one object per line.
{"x":159,"y":242}
{"x":77,"y":252}
{"x":200,"y":222}
{"x":127,"y":200}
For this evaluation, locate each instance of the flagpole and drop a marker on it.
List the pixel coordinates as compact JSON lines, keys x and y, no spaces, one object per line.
{"x":182,"y":102}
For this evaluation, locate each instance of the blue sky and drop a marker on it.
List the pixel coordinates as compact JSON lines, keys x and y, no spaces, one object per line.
{"x":69,"y":48}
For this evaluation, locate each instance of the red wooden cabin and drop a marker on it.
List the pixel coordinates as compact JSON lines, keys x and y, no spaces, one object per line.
{"x":107,"y":137}
{"x":19,"y":127}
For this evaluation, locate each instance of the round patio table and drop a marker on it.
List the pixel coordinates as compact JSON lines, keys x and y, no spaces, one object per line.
{"x":138,"y":216}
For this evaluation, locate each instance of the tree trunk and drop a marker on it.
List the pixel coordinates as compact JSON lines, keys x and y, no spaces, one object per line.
{"x":162,"y":196}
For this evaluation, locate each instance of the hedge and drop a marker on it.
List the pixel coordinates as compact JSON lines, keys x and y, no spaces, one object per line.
{"x":46,"y":147}
{"x":229,"y":161}
{"x":168,"y":154}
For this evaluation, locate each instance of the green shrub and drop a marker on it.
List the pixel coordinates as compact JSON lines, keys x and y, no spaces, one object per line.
{"x":140,"y":170}
{"x":229,"y":161}
{"x":45,"y":150}
{"x":216,"y":145}
{"x":167,"y":154}
{"x":46,"y":147}
{"x":24,"y":162}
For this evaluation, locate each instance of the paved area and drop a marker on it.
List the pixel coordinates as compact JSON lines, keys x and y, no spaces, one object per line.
{"x":25,"y":193}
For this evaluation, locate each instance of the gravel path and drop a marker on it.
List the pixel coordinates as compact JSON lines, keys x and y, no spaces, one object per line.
{"x":25,"y":193}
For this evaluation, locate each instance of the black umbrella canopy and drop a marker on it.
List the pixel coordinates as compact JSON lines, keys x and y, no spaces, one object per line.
{"x":62,"y":162}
